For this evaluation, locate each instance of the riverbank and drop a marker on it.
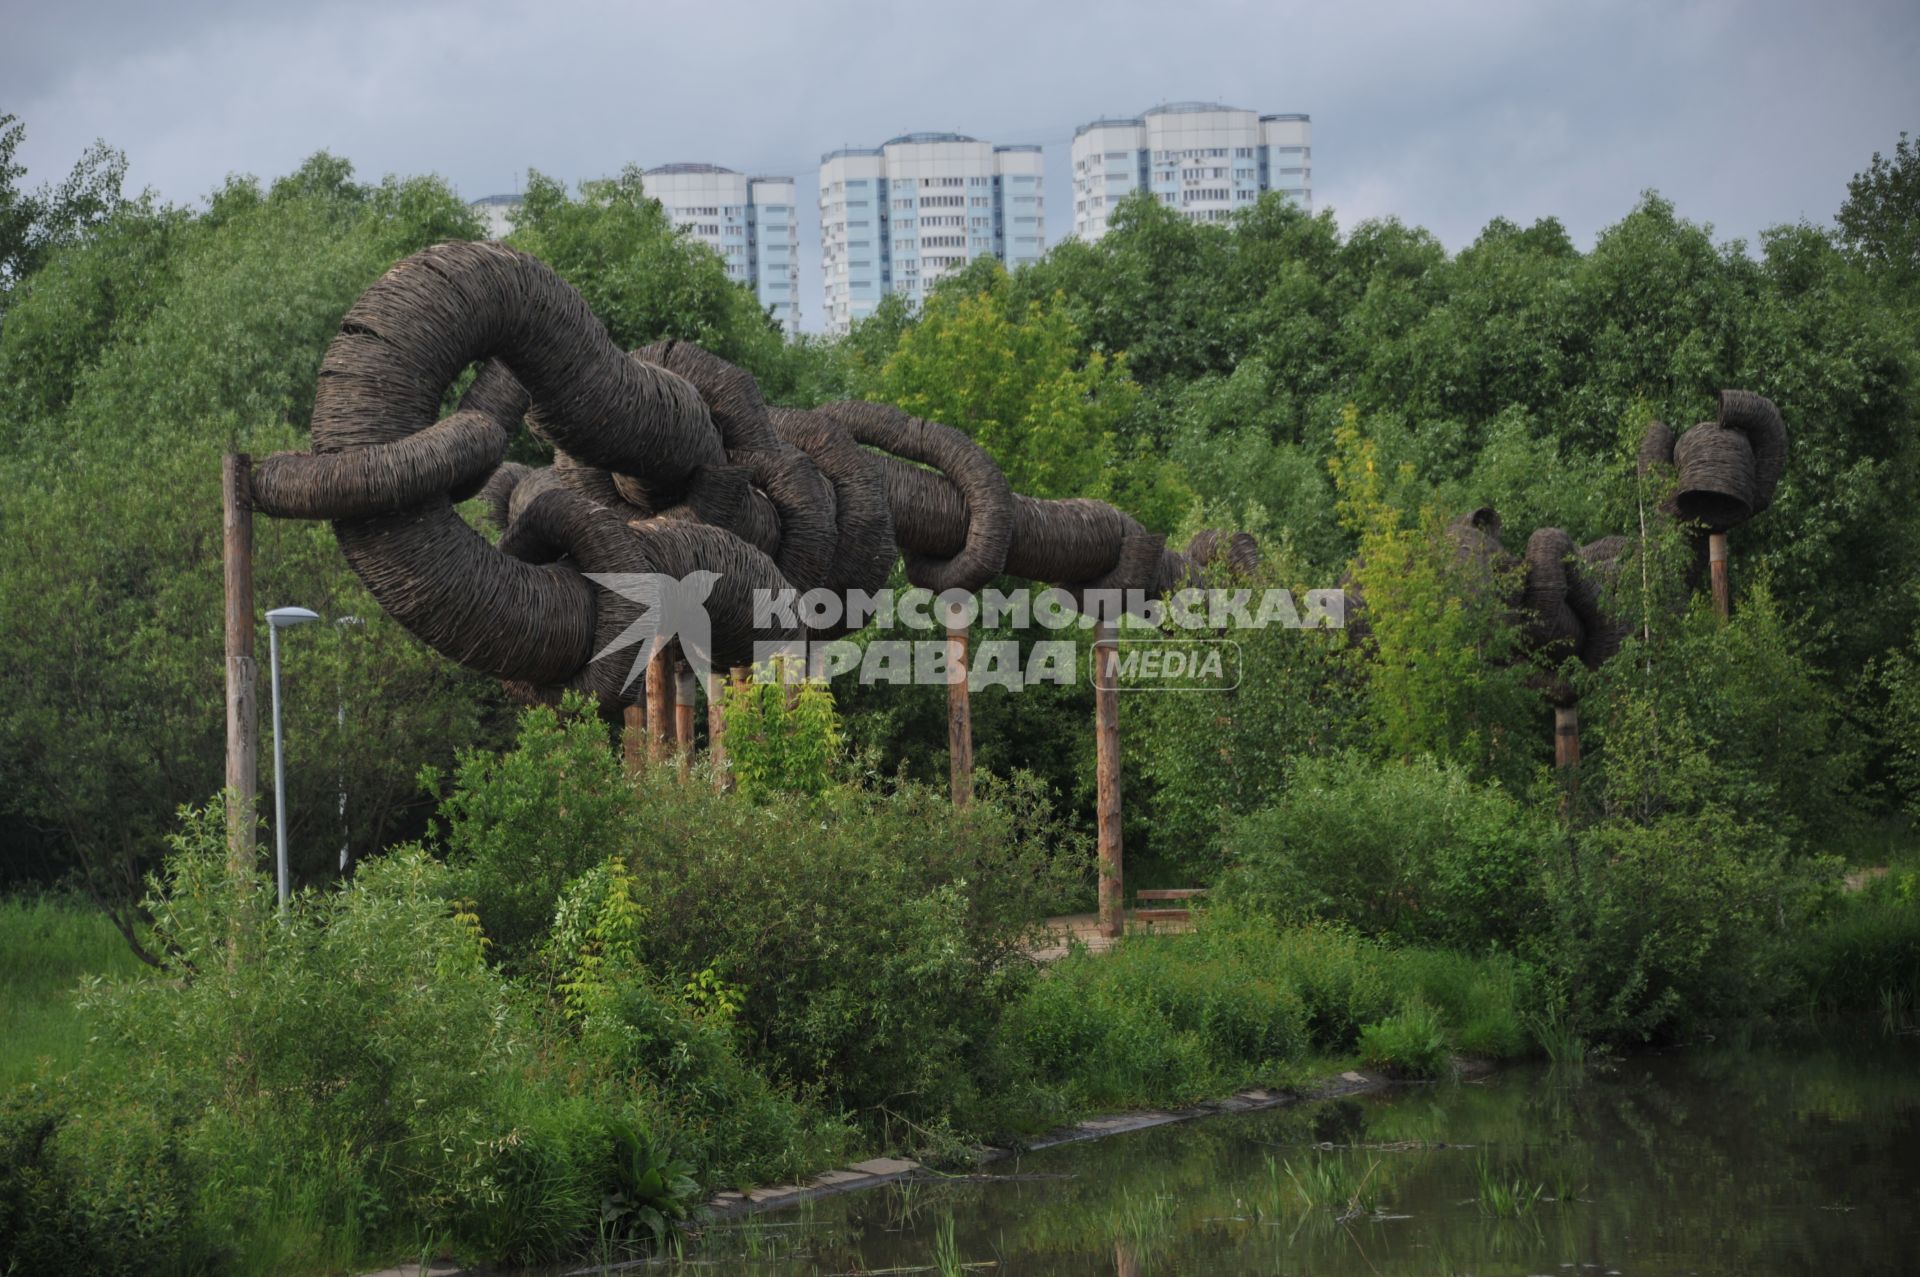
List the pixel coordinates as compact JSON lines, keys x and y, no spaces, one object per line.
{"x":876,"y":1172}
{"x":1621,"y":1168}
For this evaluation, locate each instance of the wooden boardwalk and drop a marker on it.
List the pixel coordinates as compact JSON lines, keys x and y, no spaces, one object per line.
{"x":1085,"y":928}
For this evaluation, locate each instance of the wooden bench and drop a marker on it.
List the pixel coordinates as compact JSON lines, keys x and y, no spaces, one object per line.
{"x":1163,"y":914}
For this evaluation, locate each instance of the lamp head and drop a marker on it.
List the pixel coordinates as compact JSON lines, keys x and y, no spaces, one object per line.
{"x":281,"y":617}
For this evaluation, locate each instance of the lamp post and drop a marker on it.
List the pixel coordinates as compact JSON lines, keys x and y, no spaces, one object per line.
{"x":340,"y":624}
{"x":277,"y":620}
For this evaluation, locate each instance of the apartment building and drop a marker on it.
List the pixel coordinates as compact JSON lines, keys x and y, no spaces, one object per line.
{"x":750,"y":221}
{"x":1201,"y":158}
{"x":896,"y":217}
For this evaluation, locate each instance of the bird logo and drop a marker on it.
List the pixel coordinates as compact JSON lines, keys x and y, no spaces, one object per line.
{"x":671,"y":607}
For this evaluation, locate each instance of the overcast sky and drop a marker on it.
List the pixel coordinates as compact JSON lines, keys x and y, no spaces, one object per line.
{"x":1746,"y":115}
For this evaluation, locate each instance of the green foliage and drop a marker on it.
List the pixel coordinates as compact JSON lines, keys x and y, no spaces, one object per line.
{"x":1439,"y":664}
{"x":522,"y":823}
{"x":1170,"y":1020}
{"x":1210,"y":760}
{"x":1016,"y":378}
{"x":1482,"y":999}
{"x":133,"y":360}
{"x":1409,"y":1041}
{"x":782,"y":738}
{"x":681,"y":1052}
{"x":654,"y":1192}
{"x":873,"y":936}
{"x":1664,"y":927}
{"x":1415,"y":851}
{"x":1899,"y":679}
{"x":1863,"y":950}
{"x":1503,"y":1194}
{"x":35,"y":224}
{"x":94,"y":1193}
{"x":357,"y":1057}
{"x":1880,"y":221}
{"x":1325,"y":1183}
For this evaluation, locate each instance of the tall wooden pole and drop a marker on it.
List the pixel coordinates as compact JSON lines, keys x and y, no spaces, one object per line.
{"x":660,"y":704}
{"x":1566,"y":753}
{"x":1566,"y":736}
{"x":959,"y":711}
{"x":683,"y":716}
{"x":1106,"y":730}
{"x":243,"y":706}
{"x":1717,"y":566}
{"x":717,"y":730}
{"x":633,"y":737}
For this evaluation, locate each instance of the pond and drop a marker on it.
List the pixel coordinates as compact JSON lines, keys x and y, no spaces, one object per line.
{"x":1703,"y":1162}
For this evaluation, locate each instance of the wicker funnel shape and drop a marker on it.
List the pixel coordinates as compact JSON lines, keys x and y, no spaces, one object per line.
{"x":1716,"y":477}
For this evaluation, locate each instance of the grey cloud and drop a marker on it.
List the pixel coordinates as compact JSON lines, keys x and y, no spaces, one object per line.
{"x":1746,"y":115}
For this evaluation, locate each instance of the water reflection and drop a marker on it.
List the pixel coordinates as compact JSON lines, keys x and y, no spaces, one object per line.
{"x":1774,"y":1162}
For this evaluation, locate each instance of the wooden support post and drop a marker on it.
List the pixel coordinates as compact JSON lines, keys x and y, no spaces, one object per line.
{"x":1566,"y":755}
{"x":633,"y":737}
{"x":1566,"y":736}
{"x":243,"y":707}
{"x":717,"y":730}
{"x":1106,"y":728}
{"x":683,"y":716}
{"x":1717,"y":566}
{"x":959,"y":710}
{"x":660,"y":704}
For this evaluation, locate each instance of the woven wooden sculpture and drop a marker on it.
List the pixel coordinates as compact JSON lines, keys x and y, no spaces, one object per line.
{"x":1725,"y":472}
{"x":666,"y":461}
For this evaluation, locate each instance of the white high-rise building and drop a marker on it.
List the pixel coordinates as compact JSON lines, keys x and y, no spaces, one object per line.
{"x":1201,"y":158}
{"x":494,"y":212}
{"x":750,"y":221}
{"x":896,"y":217}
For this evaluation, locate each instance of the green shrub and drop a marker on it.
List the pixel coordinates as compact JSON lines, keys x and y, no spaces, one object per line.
{"x":520,"y":824}
{"x":1409,"y":1041}
{"x":874,"y":936}
{"x":1898,"y":677}
{"x":1479,"y":999}
{"x":1865,"y":950}
{"x":1676,"y":923}
{"x":348,"y":1080}
{"x":774,"y":747}
{"x":678,"y":1049}
{"x":90,"y":1192}
{"x":1416,"y":851}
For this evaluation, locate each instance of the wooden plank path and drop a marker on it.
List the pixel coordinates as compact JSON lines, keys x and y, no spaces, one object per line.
{"x":1085,"y":928}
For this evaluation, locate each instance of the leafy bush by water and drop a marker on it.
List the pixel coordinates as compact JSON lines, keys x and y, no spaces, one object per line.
{"x":1415,"y":850}
{"x":876,"y":936}
{"x":1408,"y":1042}
{"x":1174,"y":1019}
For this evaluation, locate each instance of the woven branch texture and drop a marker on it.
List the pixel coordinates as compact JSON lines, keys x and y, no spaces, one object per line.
{"x":666,"y":461}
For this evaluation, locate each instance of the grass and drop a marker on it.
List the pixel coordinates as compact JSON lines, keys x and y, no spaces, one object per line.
{"x":1328,"y":1183}
{"x":1176,"y":1019}
{"x":47,"y":944}
{"x":1502,"y":1195}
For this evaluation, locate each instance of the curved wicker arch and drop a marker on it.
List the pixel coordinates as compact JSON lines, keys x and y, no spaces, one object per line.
{"x":666,"y":461}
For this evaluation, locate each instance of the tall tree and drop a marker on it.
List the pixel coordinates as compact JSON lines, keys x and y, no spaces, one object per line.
{"x":1880,"y":222}
{"x":33,"y":224}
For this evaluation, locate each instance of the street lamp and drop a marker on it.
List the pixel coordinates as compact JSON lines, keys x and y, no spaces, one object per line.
{"x":277,"y":620}
{"x":340,"y":624}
